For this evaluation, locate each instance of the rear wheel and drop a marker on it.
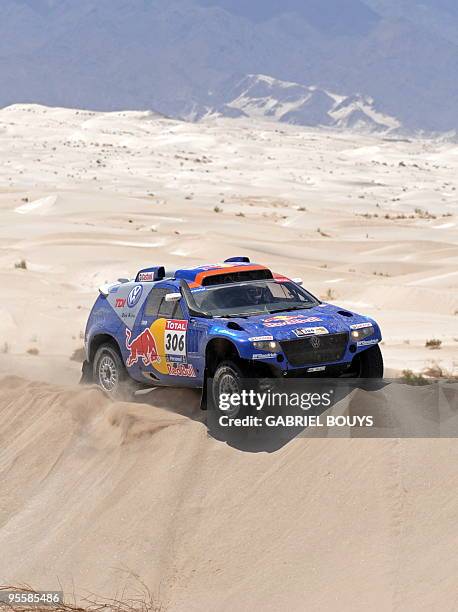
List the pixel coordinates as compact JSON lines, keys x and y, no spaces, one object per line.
{"x":109,"y":372}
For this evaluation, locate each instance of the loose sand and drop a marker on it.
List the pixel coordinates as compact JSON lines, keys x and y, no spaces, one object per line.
{"x":94,"y":494}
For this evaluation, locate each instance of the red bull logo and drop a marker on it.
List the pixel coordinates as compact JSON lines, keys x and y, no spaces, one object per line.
{"x":181,"y":369}
{"x":142,"y":347}
{"x":281,"y":320}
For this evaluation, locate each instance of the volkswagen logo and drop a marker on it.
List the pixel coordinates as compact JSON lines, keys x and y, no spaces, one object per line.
{"x":315,"y":342}
{"x":134,"y":296}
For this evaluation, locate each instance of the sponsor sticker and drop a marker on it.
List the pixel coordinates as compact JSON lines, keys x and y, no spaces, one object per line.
{"x":261,"y":339}
{"x":317,"y":369}
{"x":181,"y":369}
{"x":311,"y":331}
{"x":146,"y":277}
{"x":142,"y":347}
{"x":282,"y":320}
{"x":120,"y":302}
{"x":175,"y":340}
{"x":367,"y":342}
{"x":361,"y":325}
{"x":264,"y":356}
{"x":281,"y":279}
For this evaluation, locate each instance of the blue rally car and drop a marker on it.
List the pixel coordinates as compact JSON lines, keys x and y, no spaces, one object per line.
{"x":222,"y":322}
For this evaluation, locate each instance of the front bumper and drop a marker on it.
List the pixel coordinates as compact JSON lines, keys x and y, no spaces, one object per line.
{"x":333,"y":357}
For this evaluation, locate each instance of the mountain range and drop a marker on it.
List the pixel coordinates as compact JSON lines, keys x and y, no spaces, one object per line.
{"x":264,"y":97}
{"x":184,"y":56}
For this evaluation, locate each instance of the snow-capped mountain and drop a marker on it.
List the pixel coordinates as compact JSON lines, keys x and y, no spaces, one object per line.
{"x":262,"y":96}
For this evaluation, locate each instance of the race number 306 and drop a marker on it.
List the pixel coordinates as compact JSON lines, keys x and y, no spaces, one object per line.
{"x":175,"y":338}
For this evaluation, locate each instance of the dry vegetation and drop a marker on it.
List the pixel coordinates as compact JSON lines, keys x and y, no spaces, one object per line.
{"x":144,"y":602}
{"x":433,"y":344}
{"x":413,"y":378}
{"x":428,"y":376}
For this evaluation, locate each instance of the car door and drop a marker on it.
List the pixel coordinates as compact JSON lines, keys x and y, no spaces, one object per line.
{"x":165,"y":325}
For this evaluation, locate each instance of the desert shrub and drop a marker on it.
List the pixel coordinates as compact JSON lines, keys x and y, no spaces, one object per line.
{"x":411,"y":378}
{"x":433,"y":344}
{"x":438,"y":373}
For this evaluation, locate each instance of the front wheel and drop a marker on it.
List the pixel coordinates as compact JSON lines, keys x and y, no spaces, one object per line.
{"x":228,"y":382}
{"x":371,"y":363}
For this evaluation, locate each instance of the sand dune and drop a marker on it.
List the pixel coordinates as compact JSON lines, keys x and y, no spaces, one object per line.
{"x":103,"y":194}
{"x":94,"y":493}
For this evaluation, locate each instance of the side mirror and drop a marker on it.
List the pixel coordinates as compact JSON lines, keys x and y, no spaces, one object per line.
{"x":298,"y":281}
{"x":173,"y":297}
{"x":104,"y":290}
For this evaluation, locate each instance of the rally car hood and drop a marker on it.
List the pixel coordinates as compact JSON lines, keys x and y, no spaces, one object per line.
{"x":324,"y":318}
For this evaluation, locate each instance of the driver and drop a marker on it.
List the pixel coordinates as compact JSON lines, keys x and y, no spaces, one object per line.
{"x":255,"y":294}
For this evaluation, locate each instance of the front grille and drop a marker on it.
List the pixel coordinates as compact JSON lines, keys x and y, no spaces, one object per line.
{"x":315,"y":349}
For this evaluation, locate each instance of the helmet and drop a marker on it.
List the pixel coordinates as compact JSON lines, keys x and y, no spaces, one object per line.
{"x":255,"y":294}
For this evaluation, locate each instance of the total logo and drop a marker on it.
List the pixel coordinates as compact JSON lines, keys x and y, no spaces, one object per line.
{"x":134,"y":296}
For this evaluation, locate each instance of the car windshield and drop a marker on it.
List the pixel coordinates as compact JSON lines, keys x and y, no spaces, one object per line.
{"x":245,"y":299}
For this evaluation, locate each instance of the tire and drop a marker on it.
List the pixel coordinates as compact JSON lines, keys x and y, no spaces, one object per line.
{"x":371,"y":363}
{"x":228,"y":378}
{"x":110,"y":374}
{"x":86,"y":374}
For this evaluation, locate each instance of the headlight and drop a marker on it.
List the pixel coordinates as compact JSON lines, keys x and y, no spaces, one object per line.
{"x":360,"y":334}
{"x":271,"y":346}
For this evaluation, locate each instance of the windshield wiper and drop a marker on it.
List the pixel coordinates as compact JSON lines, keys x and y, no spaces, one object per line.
{"x":291,"y":308}
{"x":242,"y":315}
